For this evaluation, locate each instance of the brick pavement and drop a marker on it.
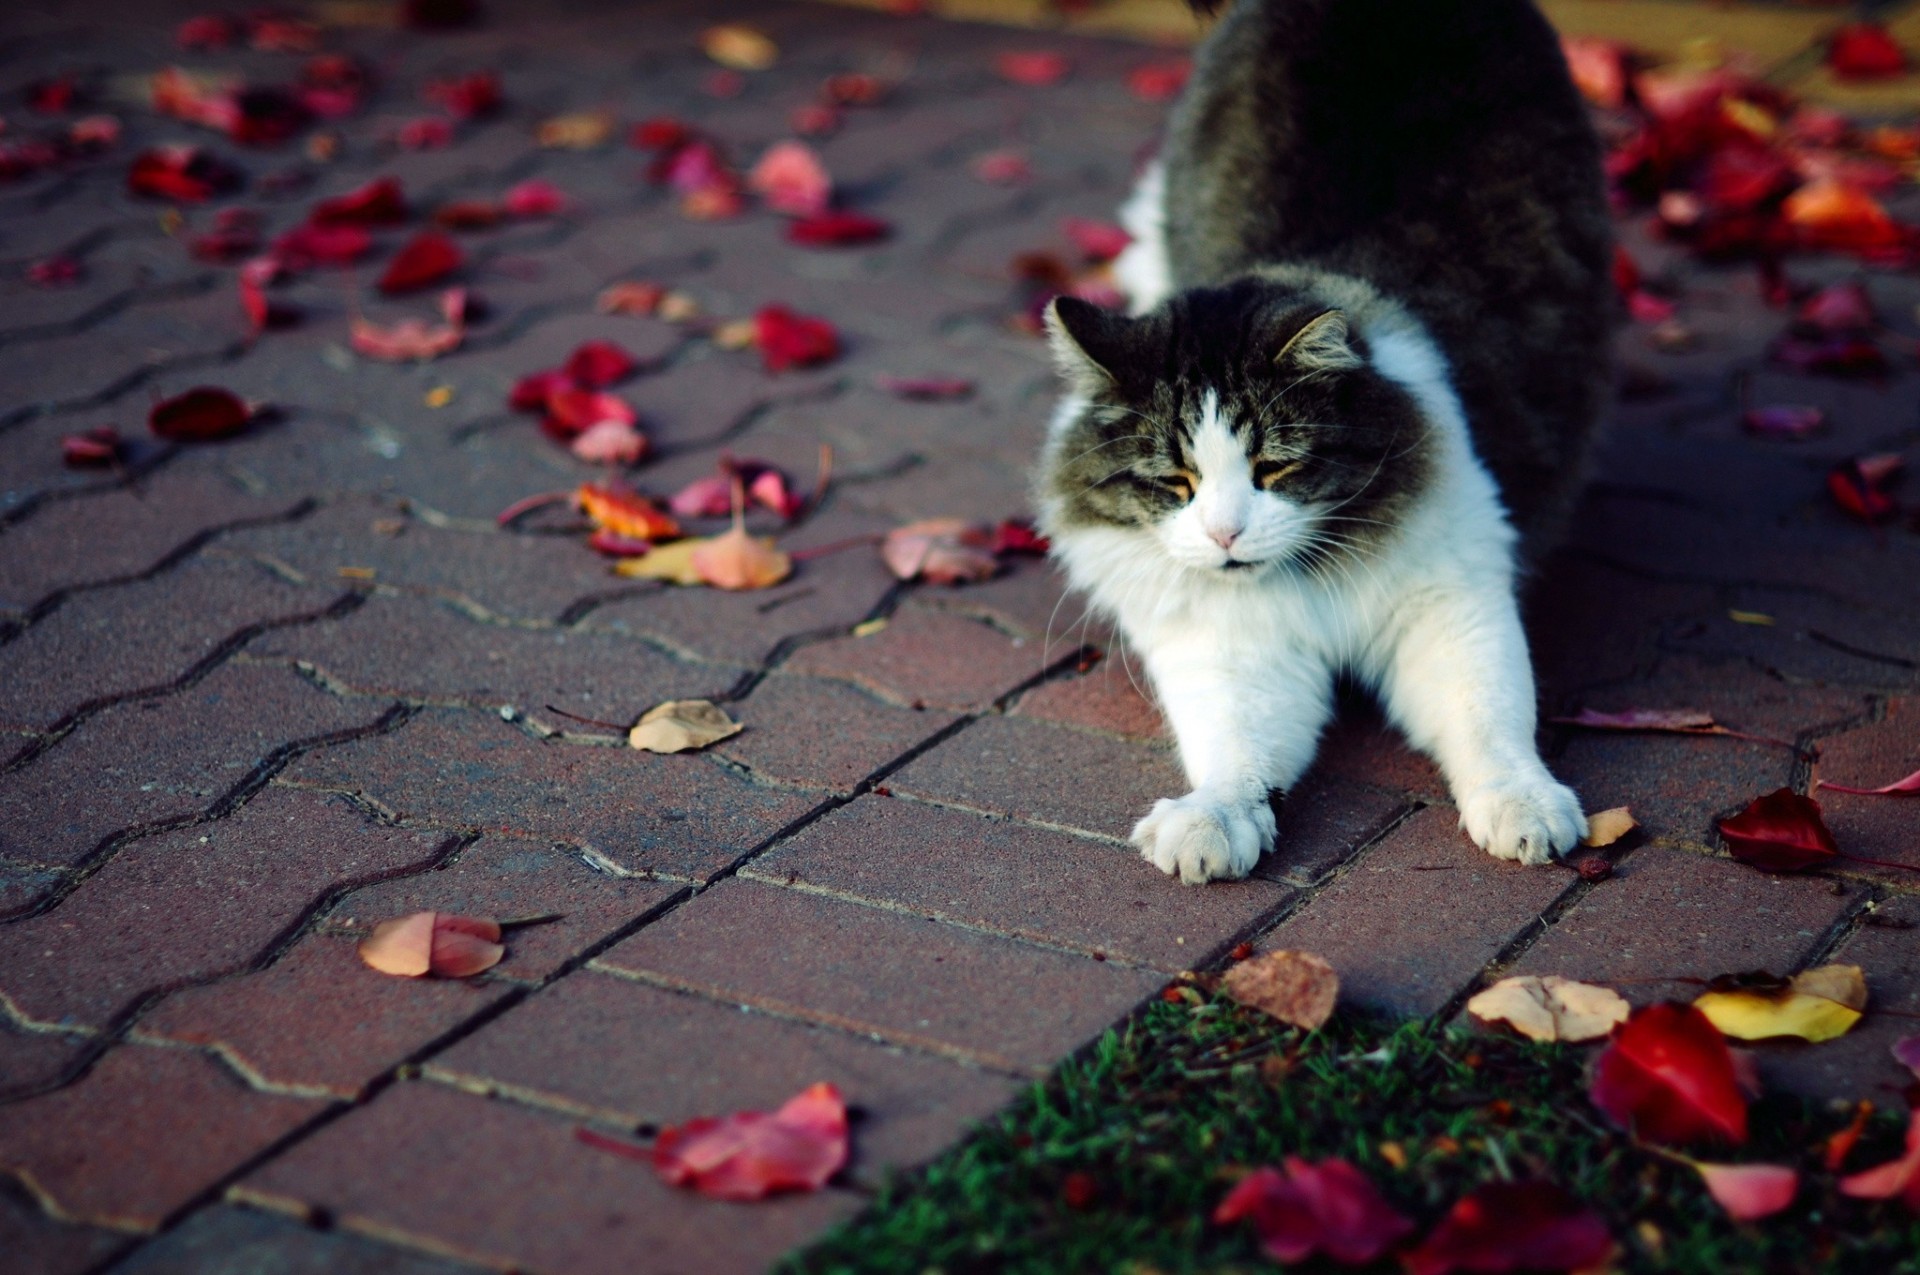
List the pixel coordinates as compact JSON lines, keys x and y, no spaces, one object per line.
{"x":263,"y":693}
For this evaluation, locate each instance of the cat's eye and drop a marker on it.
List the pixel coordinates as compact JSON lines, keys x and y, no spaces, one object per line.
{"x":1268,"y":472}
{"x":1181,"y":485}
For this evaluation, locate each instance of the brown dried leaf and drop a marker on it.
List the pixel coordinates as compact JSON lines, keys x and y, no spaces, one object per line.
{"x":1608,"y":826}
{"x":682,"y":725}
{"x":441,"y":943}
{"x":1550,"y":1008}
{"x":1295,"y":987}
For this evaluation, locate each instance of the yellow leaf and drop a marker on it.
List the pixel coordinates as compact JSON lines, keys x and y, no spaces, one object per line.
{"x":672,"y":563}
{"x":739,"y":47}
{"x":1760,"y":618}
{"x":682,"y":725}
{"x":736,"y":560}
{"x":1608,"y":826}
{"x":1817,"y":1005}
{"x":580,"y":131}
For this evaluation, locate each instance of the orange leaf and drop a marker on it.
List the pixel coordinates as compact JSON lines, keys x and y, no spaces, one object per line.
{"x":736,"y":560}
{"x":441,"y":943}
{"x":624,"y":512}
{"x":1899,"y":1178}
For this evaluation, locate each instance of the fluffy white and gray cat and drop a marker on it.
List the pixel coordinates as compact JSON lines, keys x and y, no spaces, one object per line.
{"x":1368,"y":349}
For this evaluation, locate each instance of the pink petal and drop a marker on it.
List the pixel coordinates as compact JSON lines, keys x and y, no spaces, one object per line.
{"x":1750,"y":1191}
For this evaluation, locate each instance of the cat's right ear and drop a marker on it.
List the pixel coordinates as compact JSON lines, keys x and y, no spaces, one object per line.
{"x":1089,"y":343}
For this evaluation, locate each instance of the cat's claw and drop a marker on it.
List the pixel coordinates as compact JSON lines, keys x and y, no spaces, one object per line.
{"x":1200,"y":839}
{"x":1532,"y":820}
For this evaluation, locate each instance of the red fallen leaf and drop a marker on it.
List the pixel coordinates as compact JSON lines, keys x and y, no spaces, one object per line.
{"x":615,"y":545}
{"x":662,"y":133}
{"x":468,"y":97}
{"x":940,"y":551}
{"x":787,"y":339}
{"x":1645,"y":307}
{"x":438,"y":943}
{"x":697,"y":166}
{"x":308,"y":245}
{"x":1673,"y":721}
{"x":1329,"y":1207}
{"x":609,"y":443}
{"x":624,"y":512}
{"x":571,"y":412}
{"x":185,"y":174}
{"x":198,"y":415}
{"x":467,"y":214}
{"x":207,"y":31}
{"x":749,"y":1154}
{"x":815,"y":120}
{"x":769,"y":488}
{"x":54,"y":272}
{"x":93,"y":449}
{"x":1003,"y":168}
{"x":1780,"y":832}
{"x":1864,"y":51}
{"x":1790,"y":421}
{"x":1599,"y":69}
{"x":1843,"y":309}
{"x":837,"y":230}
{"x":1668,"y":1076}
{"x":425,"y":134}
{"x":714,"y":203}
{"x":854,"y":88}
{"x":412,"y":340}
{"x":1036,"y":70}
{"x":791,"y":179}
{"x":531,"y":392}
{"x":195,"y":100}
{"x":424,"y":260}
{"x":235,"y":234}
{"x":536,"y":198}
{"x":1749,"y":1192}
{"x":94,"y":133}
{"x":1831,"y":355}
{"x":925,"y":388}
{"x":710,"y":497}
{"x":597,"y":364}
{"x":1016,"y":535}
{"x":1831,"y":214}
{"x":1838,"y":1147}
{"x":1513,"y":1226}
{"x":631,"y":298}
{"x":1159,"y":81}
{"x":53,"y":97}
{"x":331,"y":86}
{"x":1096,"y":240}
{"x":381,"y":202}
{"x":281,"y":33}
{"x":1896,"y":1179}
{"x":253,"y":299}
{"x":1858,"y":485}
{"x":1908,"y":787}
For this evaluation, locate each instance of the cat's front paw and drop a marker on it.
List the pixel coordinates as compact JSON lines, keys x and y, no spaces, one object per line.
{"x":1532,"y":819}
{"x":1201,"y":839}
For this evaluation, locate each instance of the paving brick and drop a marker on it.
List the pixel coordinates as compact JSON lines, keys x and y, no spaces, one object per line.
{"x":30,"y":1059}
{"x":118,"y":533}
{"x":1859,"y":1064}
{"x":1105,"y":699}
{"x":529,"y":1195}
{"x":1014,"y":879}
{"x":1668,"y":915}
{"x":929,"y":659}
{"x":899,"y":977}
{"x":1590,"y":623}
{"x":36,"y":1244}
{"x":111,"y":1149}
{"x":143,"y":635}
{"x":194,"y":903}
{"x":1870,"y":757}
{"x":232,"y":1241}
{"x":170,"y":757}
{"x":1045,"y":774}
{"x":686,"y":816}
{"x":1413,"y":921}
{"x":823,"y":734}
{"x":1360,"y":747}
{"x":1322,"y":823}
{"x":424,"y":651}
{"x":1676,"y":786}
{"x":22,"y":885}
{"x":554,"y":1050}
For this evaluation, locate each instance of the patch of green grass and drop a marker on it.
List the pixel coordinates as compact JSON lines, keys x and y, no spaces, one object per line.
{"x":1117,"y":1161}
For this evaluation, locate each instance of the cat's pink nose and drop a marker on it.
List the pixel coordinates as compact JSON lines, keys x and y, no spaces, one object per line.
{"x":1222,"y":538}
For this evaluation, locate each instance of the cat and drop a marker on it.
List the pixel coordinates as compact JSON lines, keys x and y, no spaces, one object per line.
{"x":1353,"y":400}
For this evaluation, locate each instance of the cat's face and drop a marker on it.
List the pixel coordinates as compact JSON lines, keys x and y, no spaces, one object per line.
{"x":1238,"y":429}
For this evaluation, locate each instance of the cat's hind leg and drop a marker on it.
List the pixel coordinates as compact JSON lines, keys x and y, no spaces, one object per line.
{"x":1142,"y":270}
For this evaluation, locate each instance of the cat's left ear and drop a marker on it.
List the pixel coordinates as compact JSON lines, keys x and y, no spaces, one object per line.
{"x":1320,"y":345}
{"x":1089,"y":344}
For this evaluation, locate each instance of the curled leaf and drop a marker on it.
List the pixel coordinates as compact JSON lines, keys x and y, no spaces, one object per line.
{"x":535,"y":198}
{"x":1859,"y":486}
{"x":682,"y":725}
{"x":199,"y":415}
{"x":439,"y":943}
{"x":1896,"y":1179}
{"x":413,"y":340}
{"x":751,"y":1154}
{"x":1817,"y":1005}
{"x":941,"y":551}
{"x":1305,"y":1208}
{"x":425,"y":259}
{"x":609,"y":443}
{"x":791,"y":179}
{"x":1607,"y":826}
{"x":1780,"y":832}
{"x":1749,"y":1192}
{"x":623,"y":512}
{"x":97,"y":448}
{"x":630,"y":298}
{"x":1907,"y":787}
{"x":787,"y":339}
{"x":1297,"y":988}
{"x":595,"y":365}
{"x":1551,"y":1008}
{"x":1669,"y":1077}
{"x":381,"y":202}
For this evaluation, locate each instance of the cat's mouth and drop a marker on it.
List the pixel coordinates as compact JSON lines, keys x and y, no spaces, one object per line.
{"x":1238,"y":564}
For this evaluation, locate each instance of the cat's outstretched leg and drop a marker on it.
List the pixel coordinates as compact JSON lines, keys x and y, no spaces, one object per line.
{"x":1457,"y":680}
{"x":1142,"y":270}
{"x":1244,"y":728}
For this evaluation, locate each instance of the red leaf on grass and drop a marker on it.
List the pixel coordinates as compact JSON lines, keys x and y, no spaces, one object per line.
{"x":837,"y":230}
{"x":1159,"y":81}
{"x":1096,"y":240}
{"x":1780,"y":832}
{"x":1035,"y":69}
{"x":1858,"y":485}
{"x":424,"y":260}
{"x":439,"y":943}
{"x":791,"y":179}
{"x":412,"y":340}
{"x":536,"y":198}
{"x":1864,"y":51}
{"x":198,"y":415}
{"x":1896,"y":1179}
{"x":1749,"y":1192}
{"x":1668,"y":1076}
{"x":1513,"y":1226}
{"x":1329,"y":1207}
{"x":1908,"y":787}
{"x":92,"y":449}
{"x":750,"y":1154}
{"x":787,"y":339}
{"x":186,"y":174}
{"x":597,"y":364}
{"x":308,"y":245}
{"x":925,"y":388}
{"x":467,"y":97}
